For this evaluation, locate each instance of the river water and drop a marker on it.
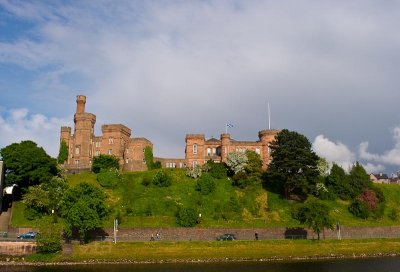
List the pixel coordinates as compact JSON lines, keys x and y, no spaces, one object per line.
{"x":389,"y":264}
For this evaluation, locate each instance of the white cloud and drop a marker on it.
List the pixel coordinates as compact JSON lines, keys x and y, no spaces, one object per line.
{"x":391,"y":156}
{"x":333,"y":152}
{"x":373,"y":168}
{"x":17,"y":125}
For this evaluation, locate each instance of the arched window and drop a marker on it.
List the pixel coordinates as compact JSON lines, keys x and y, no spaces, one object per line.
{"x":195,"y":149}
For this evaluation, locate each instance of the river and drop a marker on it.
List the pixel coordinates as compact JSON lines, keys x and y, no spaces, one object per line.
{"x":387,"y":264}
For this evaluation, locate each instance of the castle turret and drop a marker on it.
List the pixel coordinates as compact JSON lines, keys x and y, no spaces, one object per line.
{"x":83,"y":134}
{"x":225,"y":146}
{"x":80,"y":103}
{"x":266,"y":138}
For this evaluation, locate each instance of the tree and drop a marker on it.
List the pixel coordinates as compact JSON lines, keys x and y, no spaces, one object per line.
{"x":293,"y":164}
{"x":358,"y":180}
{"x":315,"y":215}
{"x":83,"y":208}
{"x":237,"y":161}
{"x":27,"y":164}
{"x":104,"y":162}
{"x":337,"y":182}
{"x":63,"y":153}
{"x":323,"y":167}
{"x":253,"y":166}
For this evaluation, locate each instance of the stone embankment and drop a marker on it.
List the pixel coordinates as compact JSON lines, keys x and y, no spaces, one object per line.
{"x":17,"y":248}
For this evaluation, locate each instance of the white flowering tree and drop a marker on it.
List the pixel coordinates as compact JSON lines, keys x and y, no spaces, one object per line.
{"x":237,"y":161}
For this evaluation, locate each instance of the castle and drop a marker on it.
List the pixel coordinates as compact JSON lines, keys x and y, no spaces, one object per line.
{"x":115,"y":140}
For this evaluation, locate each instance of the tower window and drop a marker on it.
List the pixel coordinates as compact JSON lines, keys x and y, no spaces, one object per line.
{"x":110,"y":152}
{"x":258,"y":150}
{"x":77,"y":151}
{"x":110,"y":140}
{"x":195,"y":149}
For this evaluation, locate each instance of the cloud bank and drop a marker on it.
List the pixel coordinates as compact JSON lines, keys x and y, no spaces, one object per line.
{"x":168,"y":68}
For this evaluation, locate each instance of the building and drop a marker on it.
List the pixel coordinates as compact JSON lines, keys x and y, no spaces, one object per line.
{"x":199,"y":150}
{"x":379,"y":178}
{"x":115,"y":140}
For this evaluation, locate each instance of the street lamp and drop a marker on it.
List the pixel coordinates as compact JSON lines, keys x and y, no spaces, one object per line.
{"x":199,"y":229}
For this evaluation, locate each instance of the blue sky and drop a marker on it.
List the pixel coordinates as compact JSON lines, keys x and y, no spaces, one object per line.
{"x":329,"y":70}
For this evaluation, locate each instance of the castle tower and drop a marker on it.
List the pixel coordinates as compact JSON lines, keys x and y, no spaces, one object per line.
{"x":194,"y":150}
{"x":225,"y":146}
{"x":266,"y":138}
{"x":83,"y":134}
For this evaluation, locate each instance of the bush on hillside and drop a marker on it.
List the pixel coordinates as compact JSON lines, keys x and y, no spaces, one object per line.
{"x":187,"y":217}
{"x":161,"y":179}
{"x":205,"y":185}
{"x":109,"y":178}
{"x":194,"y":172}
{"x":215,"y":170}
{"x":359,"y":209}
{"x":146,"y":181}
{"x":104,"y":162}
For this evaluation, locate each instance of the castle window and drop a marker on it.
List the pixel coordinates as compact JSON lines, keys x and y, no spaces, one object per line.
{"x":214,"y":151}
{"x":98,"y":144}
{"x":77,"y":151}
{"x":208,"y":151}
{"x":76,"y":161}
{"x":110,"y":152}
{"x":258,"y":150}
{"x":127,"y":161}
{"x":97,"y":153}
{"x":195,"y":149}
{"x":110,"y":140}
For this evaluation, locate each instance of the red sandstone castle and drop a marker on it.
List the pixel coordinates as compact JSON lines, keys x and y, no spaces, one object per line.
{"x":83,"y":145}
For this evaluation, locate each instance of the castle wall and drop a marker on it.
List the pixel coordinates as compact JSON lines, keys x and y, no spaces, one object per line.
{"x":218,"y":150}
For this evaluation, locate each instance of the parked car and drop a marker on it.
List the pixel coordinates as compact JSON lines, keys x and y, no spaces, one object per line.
{"x":28,"y":235}
{"x":226,"y":237}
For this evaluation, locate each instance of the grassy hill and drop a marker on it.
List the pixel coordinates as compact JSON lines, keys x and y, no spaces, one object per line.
{"x":137,"y":205}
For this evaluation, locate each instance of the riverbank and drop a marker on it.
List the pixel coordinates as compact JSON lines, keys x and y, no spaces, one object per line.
{"x":213,"y":251}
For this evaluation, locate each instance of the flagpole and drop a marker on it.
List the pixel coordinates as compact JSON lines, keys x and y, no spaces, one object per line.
{"x":269,"y":118}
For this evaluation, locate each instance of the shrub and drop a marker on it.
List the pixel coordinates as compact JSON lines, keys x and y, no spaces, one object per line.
{"x":187,"y":217}
{"x":31,"y":213}
{"x":205,"y":185}
{"x":146,"y":181}
{"x":109,"y":178}
{"x":157,"y":165}
{"x":162,"y":180}
{"x":194,"y":172}
{"x":359,"y":209}
{"x":369,"y":198}
{"x":216,"y":170}
{"x":240,"y":179}
{"x":104,"y":162}
{"x":49,"y":242}
{"x":394,"y":214}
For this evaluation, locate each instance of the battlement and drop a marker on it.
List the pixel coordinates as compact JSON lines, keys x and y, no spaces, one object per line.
{"x":116,"y":128}
{"x":195,"y":136}
{"x":66,"y":129}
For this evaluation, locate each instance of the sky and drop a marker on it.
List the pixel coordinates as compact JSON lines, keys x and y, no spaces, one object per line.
{"x":328,"y":70}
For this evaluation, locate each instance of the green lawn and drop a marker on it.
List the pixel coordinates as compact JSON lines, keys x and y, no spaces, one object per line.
{"x":237,"y":250}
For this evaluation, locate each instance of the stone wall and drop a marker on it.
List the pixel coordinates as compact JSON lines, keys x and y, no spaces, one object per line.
{"x":17,"y":248}
{"x":199,"y":233}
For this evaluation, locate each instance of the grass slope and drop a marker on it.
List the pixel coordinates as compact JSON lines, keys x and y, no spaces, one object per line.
{"x":137,"y":205}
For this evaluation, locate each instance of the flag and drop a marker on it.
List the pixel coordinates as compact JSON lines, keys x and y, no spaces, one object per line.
{"x":229,"y":125}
